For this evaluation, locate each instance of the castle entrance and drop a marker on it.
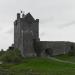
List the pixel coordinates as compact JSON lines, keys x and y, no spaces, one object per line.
{"x":48,"y":52}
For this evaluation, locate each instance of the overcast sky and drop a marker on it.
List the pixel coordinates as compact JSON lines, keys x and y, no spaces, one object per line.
{"x":57,"y":19}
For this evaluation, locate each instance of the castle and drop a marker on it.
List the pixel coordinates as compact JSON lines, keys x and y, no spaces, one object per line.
{"x":26,"y":39}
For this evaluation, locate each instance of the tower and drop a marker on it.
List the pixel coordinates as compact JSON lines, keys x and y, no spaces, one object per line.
{"x":26,"y":30}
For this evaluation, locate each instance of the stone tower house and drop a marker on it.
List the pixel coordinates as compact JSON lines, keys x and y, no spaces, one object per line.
{"x":26,"y":39}
{"x":26,"y":30}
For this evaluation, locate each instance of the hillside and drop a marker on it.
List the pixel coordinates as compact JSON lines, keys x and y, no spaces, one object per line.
{"x":39,"y":66}
{"x":66,"y":57}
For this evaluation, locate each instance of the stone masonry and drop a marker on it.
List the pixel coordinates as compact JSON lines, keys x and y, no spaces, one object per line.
{"x":26,"y":39}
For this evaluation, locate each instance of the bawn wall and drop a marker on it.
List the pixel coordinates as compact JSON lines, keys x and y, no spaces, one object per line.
{"x":57,"y":47}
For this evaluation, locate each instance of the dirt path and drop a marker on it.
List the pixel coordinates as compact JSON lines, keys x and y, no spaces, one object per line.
{"x":59,"y":60}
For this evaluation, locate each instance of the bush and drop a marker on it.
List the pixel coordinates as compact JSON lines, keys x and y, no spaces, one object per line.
{"x":11,"y":56}
{"x":2,"y":52}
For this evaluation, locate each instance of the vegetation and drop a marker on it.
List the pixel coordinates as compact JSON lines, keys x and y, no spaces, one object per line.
{"x":38,"y":66}
{"x":66,"y":57}
{"x":14,"y":64}
{"x":11,"y":56}
{"x":2,"y":52}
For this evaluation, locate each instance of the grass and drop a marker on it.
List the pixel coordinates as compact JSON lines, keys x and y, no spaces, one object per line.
{"x":40,"y":66}
{"x":66,"y":57}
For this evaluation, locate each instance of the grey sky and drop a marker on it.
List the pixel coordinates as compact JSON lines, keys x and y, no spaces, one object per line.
{"x":57,"y":19}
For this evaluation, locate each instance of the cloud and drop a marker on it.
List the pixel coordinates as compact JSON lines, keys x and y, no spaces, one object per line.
{"x":9,"y":31}
{"x":51,"y":13}
{"x":46,"y":20}
{"x":66,"y":25}
{"x":42,"y":34}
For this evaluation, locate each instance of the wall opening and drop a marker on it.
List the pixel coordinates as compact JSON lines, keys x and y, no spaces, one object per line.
{"x":49,"y":52}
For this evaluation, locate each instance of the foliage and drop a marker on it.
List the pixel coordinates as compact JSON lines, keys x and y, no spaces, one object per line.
{"x":2,"y":52}
{"x":43,"y":66}
{"x":11,"y":56}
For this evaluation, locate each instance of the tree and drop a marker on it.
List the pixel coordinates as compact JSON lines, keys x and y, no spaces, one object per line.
{"x":12,"y":56}
{"x":2,"y":52}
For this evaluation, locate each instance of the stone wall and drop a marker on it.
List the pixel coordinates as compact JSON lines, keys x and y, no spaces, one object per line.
{"x":57,"y":47}
{"x":26,"y":30}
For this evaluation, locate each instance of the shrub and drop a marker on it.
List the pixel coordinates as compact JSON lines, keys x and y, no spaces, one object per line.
{"x":11,"y":56}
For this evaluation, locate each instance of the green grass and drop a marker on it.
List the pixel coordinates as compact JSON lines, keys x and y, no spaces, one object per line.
{"x":66,"y":57}
{"x":40,"y":66}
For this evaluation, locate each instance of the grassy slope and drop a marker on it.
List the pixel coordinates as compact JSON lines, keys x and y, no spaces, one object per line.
{"x":42,"y":66}
{"x":38,"y":66}
{"x":66,"y":57}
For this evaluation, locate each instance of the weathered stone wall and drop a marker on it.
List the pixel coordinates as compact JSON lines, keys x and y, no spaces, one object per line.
{"x":26,"y":29}
{"x":17,"y":33}
{"x":57,"y":47}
